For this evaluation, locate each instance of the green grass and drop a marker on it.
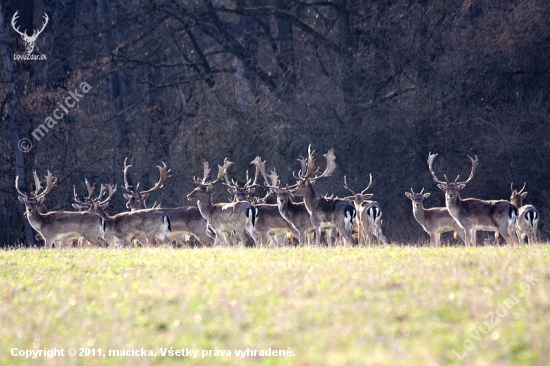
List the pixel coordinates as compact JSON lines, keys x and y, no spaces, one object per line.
{"x":377,"y":306}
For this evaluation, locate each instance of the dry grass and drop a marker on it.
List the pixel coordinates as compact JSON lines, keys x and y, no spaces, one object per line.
{"x":381,"y":306}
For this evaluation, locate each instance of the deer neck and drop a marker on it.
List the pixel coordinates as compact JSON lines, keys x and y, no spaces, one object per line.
{"x":35,"y":218}
{"x":419,"y":214}
{"x":311,"y":197}
{"x":205,"y":205}
{"x":517,"y":201}
{"x":454,"y":205}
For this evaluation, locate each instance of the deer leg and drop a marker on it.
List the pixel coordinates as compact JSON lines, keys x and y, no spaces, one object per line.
{"x":318,"y":236}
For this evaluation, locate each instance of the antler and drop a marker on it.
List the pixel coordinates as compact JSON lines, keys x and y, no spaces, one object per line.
{"x":260,"y":169}
{"x":370,"y":183}
{"x":303,"y":169}
{"x":164,"y":175}
{"x":222,"y":171}
{"x":125,"y":171}
{"x":51,"y":181}
{"x":37,"y":185}
{"x":474,"y":167}
{"x":17,"y":187}
{"x":512,"y":189}
{"x":111,"y":188}
{"x":431,"y":158}
{"x":206,"y":172}
{"x":331,"y":165}
{"x":346,"y":186}
{"x":13,"y":19}
{"x":36,"y":33}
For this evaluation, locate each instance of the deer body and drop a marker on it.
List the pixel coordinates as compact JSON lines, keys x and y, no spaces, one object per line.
{"x":223,"y":217}
{"x":146,"y":224}
{"x":297,"y":215}
{"x":370,"y":216}
{"x":270,"y":222}
{"x":435,"y":220}
{"x":328,"y":213}
{"x":226,"y":217}
{"x":184,"y":221}
{"x":528,"y":217}
{"x":474,"y":214}
{"x":58,"y":225}
{"x":188,"y":221}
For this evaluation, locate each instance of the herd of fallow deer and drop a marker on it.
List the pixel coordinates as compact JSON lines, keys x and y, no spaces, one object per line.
{"x":249,"y":220}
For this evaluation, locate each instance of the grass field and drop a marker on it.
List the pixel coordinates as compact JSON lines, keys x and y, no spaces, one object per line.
{"x":344,"y":306}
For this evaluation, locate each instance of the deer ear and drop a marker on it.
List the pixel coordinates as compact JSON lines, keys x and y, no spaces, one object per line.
{"x":409,"y":195}
{"x":104,"y":206}
{"x":367,"y":196}
{"x":40,"y":199}
{"x":524,"y":194}
{"x":144,"y":196}
{"x":426,"y":195}
{"x":442,"y":186}
{"x":76,"y":205}
{"x":252,"y":190}
{"x":127,"y":195}
{"x":460,"y":186}
{"x":233,"y":191}
{"x":23,"y":199}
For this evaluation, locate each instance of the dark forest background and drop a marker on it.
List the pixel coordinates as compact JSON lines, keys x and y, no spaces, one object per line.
{"x":382,"y":82}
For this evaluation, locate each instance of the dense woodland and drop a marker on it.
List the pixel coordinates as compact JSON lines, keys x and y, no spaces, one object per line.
{"x":382,"y":82}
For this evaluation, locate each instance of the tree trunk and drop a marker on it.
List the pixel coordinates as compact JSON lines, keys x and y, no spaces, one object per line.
{"x":20,"y":169}
{"x":115,"y":86}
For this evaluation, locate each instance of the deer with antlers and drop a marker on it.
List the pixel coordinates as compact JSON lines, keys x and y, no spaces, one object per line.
{"x":184,"y":221}
{"x":270,"y":222}
{"x":369,"y":215}
{"x":528,"y":216}
{"x":325,"y":212}
{"x":222,"y":218}
{"x":125,"y":227}
{"x":474,"y":214}
{"x":57,"y":226}
{"x":29,"y":40}
{"x":138,"y":200}
{"x":294,"y":213}
{"x":435,"y":220}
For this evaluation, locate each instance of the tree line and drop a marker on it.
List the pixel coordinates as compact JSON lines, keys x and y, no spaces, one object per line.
{"x":384,"y":83}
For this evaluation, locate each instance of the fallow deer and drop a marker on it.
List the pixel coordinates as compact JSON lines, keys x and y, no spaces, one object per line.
{"x":58,"y":225}
{"x":125,"y":227}
{"x":185,"y":221}
{"x":325,"y":213}
{"x":474,"y":214}
{"x":434,"y":220}
{"x":369,"y":215}
{"x":223,"y":217}
{"x":528,"y":216}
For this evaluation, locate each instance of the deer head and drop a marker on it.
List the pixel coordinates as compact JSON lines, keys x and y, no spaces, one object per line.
{"x":451,"y":188}
{"x":417,"y":198}
{"x":94,"y":204}
{"x":516,"y":198}
{"x":306,"y":174}
{"x":204,"y":186}
{"x":29,"y":40}
{"x":37,"y":198}
{"x":138,"y":200}
{"x":358,"y":198}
